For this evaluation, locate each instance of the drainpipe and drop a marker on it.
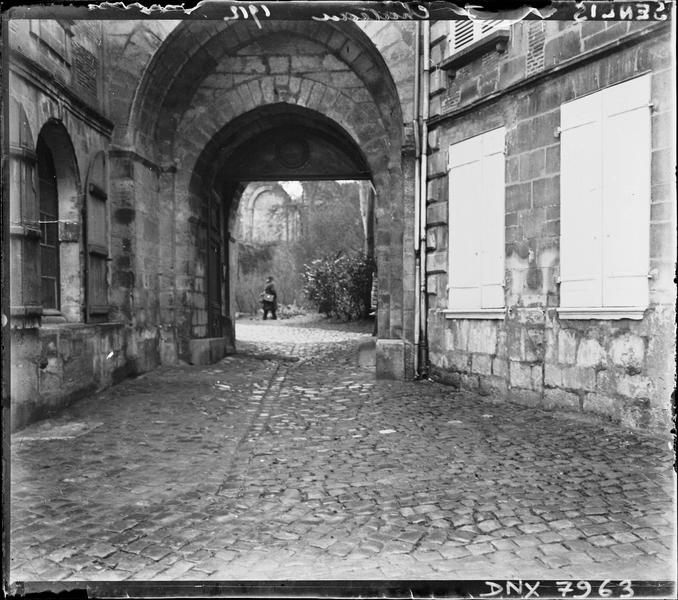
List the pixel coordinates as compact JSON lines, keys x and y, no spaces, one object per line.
{"x":417,"y":190}
{"x":422,"y":348}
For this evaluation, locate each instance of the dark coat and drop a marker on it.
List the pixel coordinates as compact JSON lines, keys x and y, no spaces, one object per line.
{"x":270,"y":289}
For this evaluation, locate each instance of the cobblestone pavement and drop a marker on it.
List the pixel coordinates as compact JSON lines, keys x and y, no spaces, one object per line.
{"x":290,"y":461}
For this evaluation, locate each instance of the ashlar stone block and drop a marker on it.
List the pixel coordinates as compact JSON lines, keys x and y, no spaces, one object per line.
{"x":481,"y":364}
{"x":460,"y":332}
{"x":601,"y":404}
{"x":470,"y":382}
{"x":390,"y":356}
{"x":495,"y":387}
{"x":628,"y":351}
{"x":567,"y":347}
{"x":553,"y":376}
{"x":279,"y":64}
{"x":560,"y":399}
{"x":500,"y":367}
{"x":635,"y":414}
{"x":606,"y":382}
{"x":525,"y":397}
{"x":520,"y":375}
{"x":635,"y":386}
{"x":537,"y":377}
{"x":590,"y":353}
{"x":482,"y":337}
{"x":579,"y":378}
{"x":550,"y":346}
{"x":436,"y":213}
{"x":459,"y":361}
{"x":438,"y":359}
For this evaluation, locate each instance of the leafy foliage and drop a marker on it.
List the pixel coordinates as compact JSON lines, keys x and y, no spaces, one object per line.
{"x":251,"y":257}
{"x":340,"y":286}
{"x":326,"y":221}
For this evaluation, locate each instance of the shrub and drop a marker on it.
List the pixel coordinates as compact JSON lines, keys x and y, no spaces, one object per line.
{"x":340,"y":286}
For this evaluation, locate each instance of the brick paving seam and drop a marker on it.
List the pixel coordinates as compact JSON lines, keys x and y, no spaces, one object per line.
{"x":272,"y":391}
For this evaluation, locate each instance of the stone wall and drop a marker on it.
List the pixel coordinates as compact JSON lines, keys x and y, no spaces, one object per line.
{"x":174,"y":86}
{"x":619,"y":369}
{"x":58,"y":364}
{"x":284,"y":67}
{"x":55,"y":363}
{"x":395,"y":41}
{"x":69,"y":52}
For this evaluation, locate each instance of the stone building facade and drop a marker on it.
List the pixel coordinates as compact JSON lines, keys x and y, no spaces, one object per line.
{"x":547,"y":340}
{"x":154,"y":128}
{"x":132,"y":141}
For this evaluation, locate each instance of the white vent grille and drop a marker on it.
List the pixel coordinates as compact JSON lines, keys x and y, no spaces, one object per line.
{"x":464,"y":33}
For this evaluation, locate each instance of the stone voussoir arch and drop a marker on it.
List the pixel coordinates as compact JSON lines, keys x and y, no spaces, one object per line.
{"x":131,"y":46}
{"x":356,"y":120}
{"x":177,"y":119}
{"x":192,"y":48}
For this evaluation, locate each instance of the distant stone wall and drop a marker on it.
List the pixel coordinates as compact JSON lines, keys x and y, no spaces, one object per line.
{"x":618,"y":369}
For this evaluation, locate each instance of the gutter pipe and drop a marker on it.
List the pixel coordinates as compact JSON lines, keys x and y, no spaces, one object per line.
{"x":417,"y":191}
{"x":422,"y":346}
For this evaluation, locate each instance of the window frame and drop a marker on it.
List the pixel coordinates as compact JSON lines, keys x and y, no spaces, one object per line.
{"x":490,"y":144}
{"x":54,"y":34}
{"x":48,"y":222}
{"x":602,"y":311}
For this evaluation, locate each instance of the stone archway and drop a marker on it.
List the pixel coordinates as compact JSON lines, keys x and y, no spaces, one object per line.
{"x":213,"y":88}
{"x":272,"y":142}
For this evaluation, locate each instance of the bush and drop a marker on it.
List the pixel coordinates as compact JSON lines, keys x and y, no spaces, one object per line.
{"x":340,"y":286}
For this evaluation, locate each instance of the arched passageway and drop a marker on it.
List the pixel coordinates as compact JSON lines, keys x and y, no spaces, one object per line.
{"x":222,"y":104}
{"x":270,"y":143}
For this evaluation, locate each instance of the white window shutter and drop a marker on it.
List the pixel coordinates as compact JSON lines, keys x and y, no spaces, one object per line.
{"x":464,"y":205}
{"x":626,"y":193}
{"x":464,"y":33}
{"x":581,"y":203}
{"x":491,"y":219}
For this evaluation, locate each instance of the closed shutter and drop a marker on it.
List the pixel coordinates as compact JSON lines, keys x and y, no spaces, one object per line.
{"x":464,"y":208}
{"x":491,"y":220}
{"x":626,"y":193}
{"x":97,"y":238}
{"x":25,"y":292}
{"x":489,"y":25}
{"x":463,"y":33}
{"x":605,"y":203}
{"x":581,"y":203}
{"x":476,"y":217}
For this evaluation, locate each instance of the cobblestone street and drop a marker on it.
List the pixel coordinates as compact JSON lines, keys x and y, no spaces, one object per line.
{"x":290,"y":461}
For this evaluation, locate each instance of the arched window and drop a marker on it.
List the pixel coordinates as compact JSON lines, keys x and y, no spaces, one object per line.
{"x":49,"y":227}
{"x":60,"y":218}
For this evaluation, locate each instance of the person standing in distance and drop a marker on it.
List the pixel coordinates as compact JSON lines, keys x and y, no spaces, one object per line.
{"x":269,"y":298}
